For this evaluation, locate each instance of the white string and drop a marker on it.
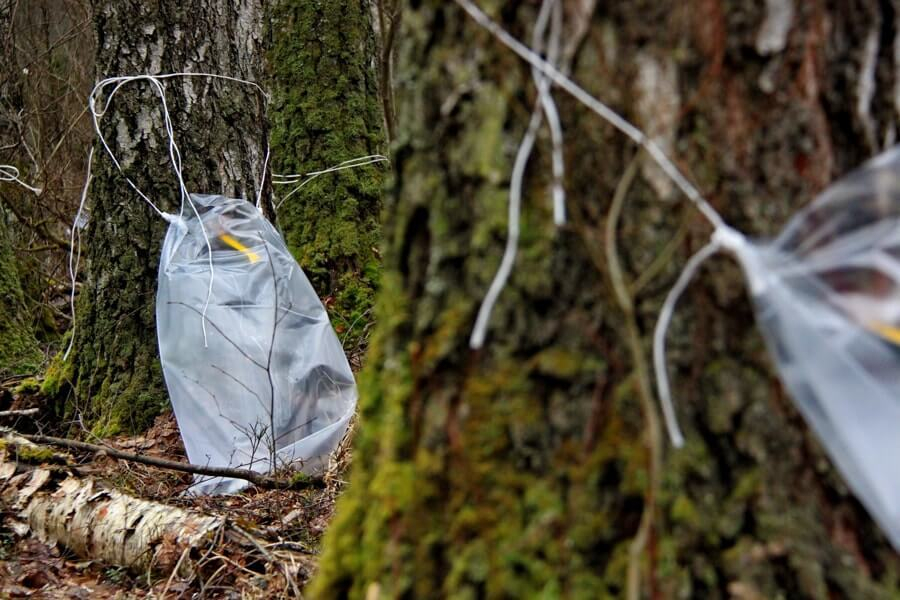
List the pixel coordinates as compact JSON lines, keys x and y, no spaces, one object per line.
{"x":73,"y":263}
{"x":304,"y":178}
{"x":479,"y":331}
{"x":551,"y":112}
{"x":262,"y":183}
{"x":11,"y":173}
{"x":598,"y":107}
{"x":174,"y":154}
{"x":659,"y":339}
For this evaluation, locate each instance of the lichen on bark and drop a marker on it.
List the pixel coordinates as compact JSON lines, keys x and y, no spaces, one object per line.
{"x":326,"y":110}
{"x":522,"y":470}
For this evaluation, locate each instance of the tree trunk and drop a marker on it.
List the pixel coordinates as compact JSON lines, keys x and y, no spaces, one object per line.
{"x":220,"y":129}
{"x":526,"y":469}
{"x":325,"y":111}
{"x":19,"y":352}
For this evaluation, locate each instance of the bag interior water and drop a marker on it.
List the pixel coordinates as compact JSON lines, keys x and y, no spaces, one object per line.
{"x":265,"y":383}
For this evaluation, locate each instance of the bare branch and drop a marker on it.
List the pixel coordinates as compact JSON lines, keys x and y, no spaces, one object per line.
{"x":257,"y":479}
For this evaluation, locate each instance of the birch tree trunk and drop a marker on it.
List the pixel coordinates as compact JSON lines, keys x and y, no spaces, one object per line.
{"x":527,"y":469}
{"x":221,"y":131}
{"x":326,"y":110}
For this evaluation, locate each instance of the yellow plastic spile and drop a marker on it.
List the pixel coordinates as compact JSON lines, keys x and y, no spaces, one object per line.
{"x":234,"y":243}
{"x":887,"y":332}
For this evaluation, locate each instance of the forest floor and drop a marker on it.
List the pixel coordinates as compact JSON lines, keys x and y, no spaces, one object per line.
{"x":29,"y":568}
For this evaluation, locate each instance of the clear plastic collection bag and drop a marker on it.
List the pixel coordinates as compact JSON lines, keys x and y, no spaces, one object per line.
{"x":265,"y":383}
{"x":827,"y":297}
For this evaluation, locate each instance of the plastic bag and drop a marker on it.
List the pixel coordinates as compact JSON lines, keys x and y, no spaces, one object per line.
{"x":827,"y":296}
{"x":271,"y":385}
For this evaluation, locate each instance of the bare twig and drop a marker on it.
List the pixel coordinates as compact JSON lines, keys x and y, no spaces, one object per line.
{"x":648,"y":407}
{"x":26,"y":412}
{"x":257,"y":479}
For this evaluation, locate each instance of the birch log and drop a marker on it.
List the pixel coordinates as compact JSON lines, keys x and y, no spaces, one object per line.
{"x":94,"y":521}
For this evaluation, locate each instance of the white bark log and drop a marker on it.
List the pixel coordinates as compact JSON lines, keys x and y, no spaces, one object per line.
{"x":96,"y":522}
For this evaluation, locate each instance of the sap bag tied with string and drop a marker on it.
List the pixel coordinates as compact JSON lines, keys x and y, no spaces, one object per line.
{"x":827,"y":297}
{"x":269,"y":386}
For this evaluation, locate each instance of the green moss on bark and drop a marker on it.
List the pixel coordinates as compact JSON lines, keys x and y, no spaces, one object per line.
{"x":521,"y":470}
{"x":19,"y":351}
{"x":325,"y":110}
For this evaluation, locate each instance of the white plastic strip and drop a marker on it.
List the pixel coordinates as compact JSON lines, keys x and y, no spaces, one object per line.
{"x":659,"y":339}
{"x":479,"y":331}
{"x":303,"y":178}
{"x":73,"y":259}
{"x":549,"y":105}
{"x":11,"y":173}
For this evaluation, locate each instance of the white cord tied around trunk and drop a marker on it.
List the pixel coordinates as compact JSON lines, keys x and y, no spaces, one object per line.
{"x":98,"y":110}
{"x":174,"y":154}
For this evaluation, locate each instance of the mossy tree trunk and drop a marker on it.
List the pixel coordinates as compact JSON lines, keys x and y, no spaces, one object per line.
{"x":524,"y":470}
{"x":19,"y":352}
{"x":326,"y":110}
{"x":221,"y":131}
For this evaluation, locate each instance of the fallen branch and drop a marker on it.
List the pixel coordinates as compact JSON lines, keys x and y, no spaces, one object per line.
{"x":258,"y":479}
{"x":25,"y":412}
{"x":103,"y":524}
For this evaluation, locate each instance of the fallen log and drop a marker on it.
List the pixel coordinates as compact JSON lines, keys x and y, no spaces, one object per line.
{"x":92,"y":521}
{"x":25,"y":412}
{"x":50,"y":500}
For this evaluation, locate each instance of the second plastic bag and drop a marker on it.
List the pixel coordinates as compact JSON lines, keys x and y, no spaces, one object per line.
{"x":827,"y":293}
{"x":265,"y":383}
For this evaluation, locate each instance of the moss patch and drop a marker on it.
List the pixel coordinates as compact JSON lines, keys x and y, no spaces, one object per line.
{"x":325,"y":110}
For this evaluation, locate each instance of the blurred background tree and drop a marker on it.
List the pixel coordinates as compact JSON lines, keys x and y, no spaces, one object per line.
{"x":536,"y":467}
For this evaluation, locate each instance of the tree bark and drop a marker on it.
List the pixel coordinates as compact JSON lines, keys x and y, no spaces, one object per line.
{"x":525,"y":469}
{"x":326,"y":110}
{"x":221,"y":131}
{"x":19,"y":352}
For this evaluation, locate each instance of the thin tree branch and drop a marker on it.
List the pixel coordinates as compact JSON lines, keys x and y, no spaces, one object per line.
{"x":257,"y":479}
{"x":27,"y":412}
